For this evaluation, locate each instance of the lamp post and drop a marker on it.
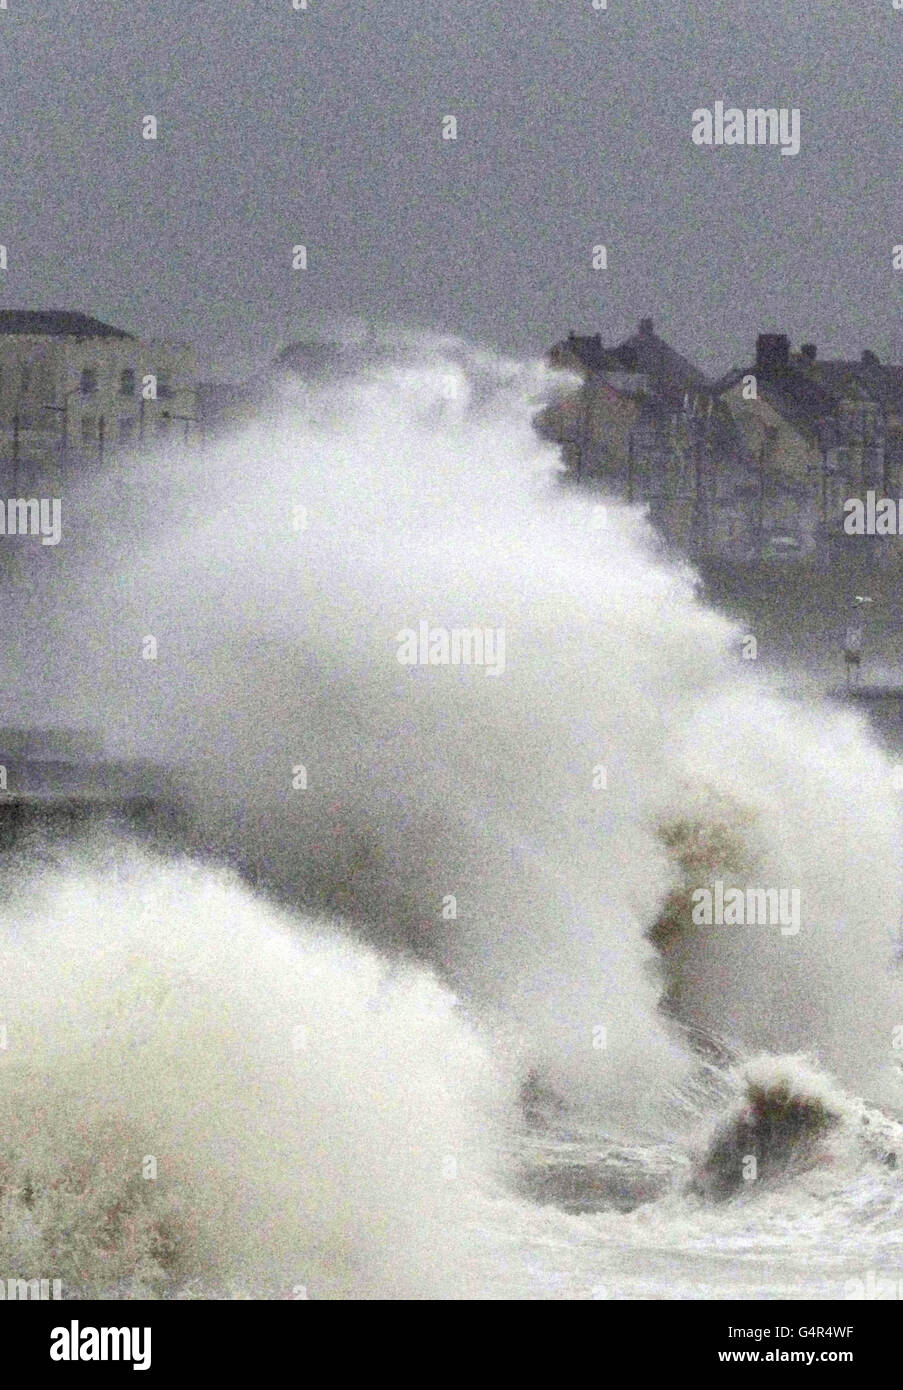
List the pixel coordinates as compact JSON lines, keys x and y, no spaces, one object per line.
{"x":188,"y":420}
{"x":63,"y":412}
{"x":166,"y":414}
{"x":17,"y":426}
{"x":16,"y":452}
{"x":852,"y":642}
{"x":172,"y":415}
{"x":584,"y":428}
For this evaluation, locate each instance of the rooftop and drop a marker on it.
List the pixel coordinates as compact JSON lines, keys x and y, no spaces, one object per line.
{"x":805,"y":388}
{"x":644,"y":353}
{"x":673,"y":374}
{"x":866,"y":379}
{"x":57,"y":323}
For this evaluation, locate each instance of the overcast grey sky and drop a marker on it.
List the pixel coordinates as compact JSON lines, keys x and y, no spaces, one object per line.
{"x":324,"y":127}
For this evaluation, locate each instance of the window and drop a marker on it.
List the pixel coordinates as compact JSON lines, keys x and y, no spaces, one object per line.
{"x":89,"y":429}
{"x":164,"y":386}
{"x":127,"y":381}
{"x":126,"y":430}
{"x":89,"y":381}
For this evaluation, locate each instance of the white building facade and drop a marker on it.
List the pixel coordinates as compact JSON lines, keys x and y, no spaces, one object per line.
{"x":75,"y":392}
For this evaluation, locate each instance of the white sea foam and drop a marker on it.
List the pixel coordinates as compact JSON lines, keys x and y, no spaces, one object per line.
{"x":201,"y":1095}
{"x":275,"y":571}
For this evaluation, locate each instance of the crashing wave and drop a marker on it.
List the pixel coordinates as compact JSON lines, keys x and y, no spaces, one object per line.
{"x":790,"y":1118}
{"x":201,"y":1096}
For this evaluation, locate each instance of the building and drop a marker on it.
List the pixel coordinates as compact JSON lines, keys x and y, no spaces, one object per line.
{"x":647,"y":424}
{"x":869,"y":407}
{"x":757,"y":464}
{"x":817,"y":433}
{"x":74,"y":391}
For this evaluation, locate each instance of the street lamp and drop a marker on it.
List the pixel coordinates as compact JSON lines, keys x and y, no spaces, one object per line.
{"x":165,"y":414}
{"x":188,"y":419}
{"x":63,"y":412}
{"x":852,"y":644}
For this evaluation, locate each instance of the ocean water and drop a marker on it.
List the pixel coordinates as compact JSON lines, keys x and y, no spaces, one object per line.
{"x":418,"y":1008}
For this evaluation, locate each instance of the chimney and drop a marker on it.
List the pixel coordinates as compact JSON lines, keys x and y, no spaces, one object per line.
{"x":646,"y":328}
{"x":772,"y":353}
{"x":809,"y":351}
{"x":870,"y":359}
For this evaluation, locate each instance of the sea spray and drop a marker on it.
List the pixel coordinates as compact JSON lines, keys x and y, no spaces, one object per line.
{"x":807,"y":800}
{"x":506,"y":829}
{"x":201,"y":1096}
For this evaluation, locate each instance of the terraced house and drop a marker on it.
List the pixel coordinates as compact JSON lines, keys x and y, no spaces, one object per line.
{"x":818,"y":432}
{"x":756,"y":465}
{"x":75,"y":391}
{"x":648,"y":425}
